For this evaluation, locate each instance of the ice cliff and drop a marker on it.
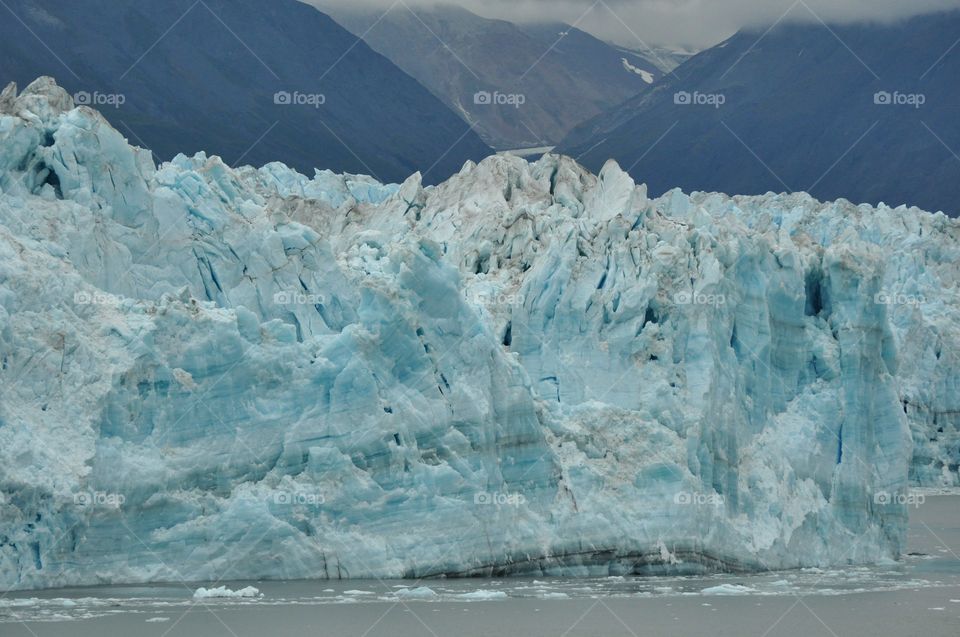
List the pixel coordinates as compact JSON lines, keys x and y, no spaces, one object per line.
{"x":211,"y":373}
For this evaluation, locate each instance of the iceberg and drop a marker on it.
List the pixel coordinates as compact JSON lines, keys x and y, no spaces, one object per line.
{"x":528,"y":369}
{"x":482,"y":595}
{"x":419,"y":593}
{"x":222,"y":592}
{"x":728,"y":589}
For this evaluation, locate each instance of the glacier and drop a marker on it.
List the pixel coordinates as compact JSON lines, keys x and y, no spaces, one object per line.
{"x":211,"y":373}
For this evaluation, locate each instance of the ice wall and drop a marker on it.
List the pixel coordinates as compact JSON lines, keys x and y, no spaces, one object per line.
{"x":214,"y":373}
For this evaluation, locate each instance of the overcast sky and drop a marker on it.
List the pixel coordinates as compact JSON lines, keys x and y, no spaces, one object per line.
{"x":698,"y":23}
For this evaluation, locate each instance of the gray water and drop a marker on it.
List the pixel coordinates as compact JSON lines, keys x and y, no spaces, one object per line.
{"x":920,"y":595}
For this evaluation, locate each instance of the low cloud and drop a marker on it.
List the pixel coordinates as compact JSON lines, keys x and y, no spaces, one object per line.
{"x":694,"y":23}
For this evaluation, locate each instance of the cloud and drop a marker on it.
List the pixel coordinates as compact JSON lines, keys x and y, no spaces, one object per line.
{"x":696,"y":23}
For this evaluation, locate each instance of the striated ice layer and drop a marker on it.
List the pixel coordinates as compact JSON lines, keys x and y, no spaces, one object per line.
{"x":215,"y":374}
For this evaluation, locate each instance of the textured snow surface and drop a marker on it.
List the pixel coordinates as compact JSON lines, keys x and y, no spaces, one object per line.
{"x":236,"y":373}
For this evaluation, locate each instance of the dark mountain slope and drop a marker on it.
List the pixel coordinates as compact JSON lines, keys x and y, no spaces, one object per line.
{"x":800,"y":111}
{"x":203,"y":75}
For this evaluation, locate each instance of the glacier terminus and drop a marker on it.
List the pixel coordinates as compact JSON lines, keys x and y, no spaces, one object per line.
{"x":218,"y":373}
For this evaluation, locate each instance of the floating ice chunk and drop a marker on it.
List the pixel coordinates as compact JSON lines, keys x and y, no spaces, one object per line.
{"x":224,"y":592}
{"x":728,"y":589}
{"x":481,"y":595}
{"x":20,"y":602}
{"x":554,"y":595}
{"x":421,"y":592}
{"x":158,"y":620}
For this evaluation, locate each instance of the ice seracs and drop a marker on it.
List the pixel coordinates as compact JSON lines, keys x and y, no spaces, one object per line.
{"x":526,"y":369}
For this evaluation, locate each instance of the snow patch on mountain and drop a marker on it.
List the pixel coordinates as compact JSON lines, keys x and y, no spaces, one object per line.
{"x":646,"y":75}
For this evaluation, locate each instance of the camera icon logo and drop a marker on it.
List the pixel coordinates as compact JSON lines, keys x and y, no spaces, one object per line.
{"x":482,"y":98}
{"x":682,"y":98}
{"x":282,"y":98}
{"x":882,"y":97}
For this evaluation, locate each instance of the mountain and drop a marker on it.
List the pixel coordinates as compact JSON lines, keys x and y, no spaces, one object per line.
{"x":209,"y":372}
{"x":869,"y":113}
{"x":208,"y":75}
{"x":548,"y":77}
